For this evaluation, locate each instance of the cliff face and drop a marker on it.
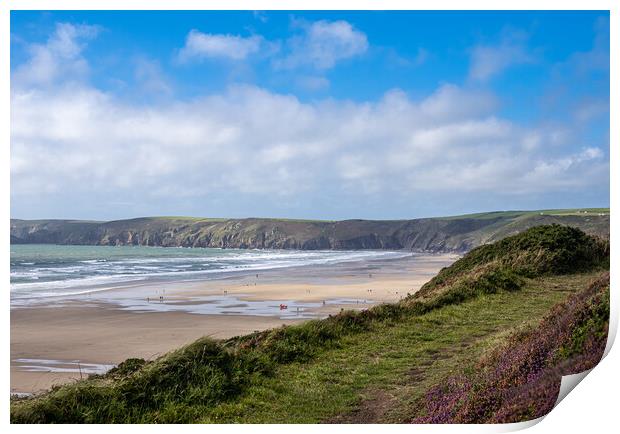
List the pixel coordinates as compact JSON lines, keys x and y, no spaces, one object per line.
{"x":456,"y":234}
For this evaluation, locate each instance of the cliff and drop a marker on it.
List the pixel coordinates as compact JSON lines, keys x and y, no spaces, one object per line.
{"x":443,"y":234}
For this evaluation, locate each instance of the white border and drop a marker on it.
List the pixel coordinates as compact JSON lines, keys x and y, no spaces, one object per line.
{"x":592,"y":407}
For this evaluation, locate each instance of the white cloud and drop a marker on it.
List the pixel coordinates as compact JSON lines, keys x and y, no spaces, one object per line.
{"x":441,"y":105}
{"x":250,"y":140}
{"x":60,"y":56}
{"x":200,"y":45}
{"x":489,"y":60}
{"x":322,"y":45}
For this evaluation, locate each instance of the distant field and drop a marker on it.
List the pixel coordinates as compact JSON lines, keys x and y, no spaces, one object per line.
{"x":549,"y":212}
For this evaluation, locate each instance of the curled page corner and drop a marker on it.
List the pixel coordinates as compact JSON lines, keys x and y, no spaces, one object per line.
{"x":568,"y":383}
{"x":612,"y":330}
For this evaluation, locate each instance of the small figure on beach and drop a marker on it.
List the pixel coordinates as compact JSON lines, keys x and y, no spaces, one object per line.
{"x":370,"y":275}
{"x":161,"y":298}
{"x":323,"y":302}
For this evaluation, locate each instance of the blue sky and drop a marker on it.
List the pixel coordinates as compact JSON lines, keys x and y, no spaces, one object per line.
{"x":328,"y":115}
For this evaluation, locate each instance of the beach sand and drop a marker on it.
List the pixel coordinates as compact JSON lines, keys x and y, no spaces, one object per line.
{"x":103,"y":335}
{"x":118,"y":324}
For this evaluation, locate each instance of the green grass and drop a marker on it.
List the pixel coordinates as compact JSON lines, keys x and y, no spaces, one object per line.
{"x":547,"y":249}
{"x":516,"y":213}
{"x":224,"y":219}
{"x":403,"y":359}
{"x":575,"y":211}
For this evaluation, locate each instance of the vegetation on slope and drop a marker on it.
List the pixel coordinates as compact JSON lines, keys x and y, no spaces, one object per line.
{"x":521,"y":379}
{"x":431,"y":234}
{"x":332,"y":360}
{"x":541,"y":250}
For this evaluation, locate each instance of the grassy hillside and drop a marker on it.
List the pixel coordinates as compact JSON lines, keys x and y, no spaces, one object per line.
{"x":521,"y":379}
{"x":459,"y":233}
{"x":371,"y":366}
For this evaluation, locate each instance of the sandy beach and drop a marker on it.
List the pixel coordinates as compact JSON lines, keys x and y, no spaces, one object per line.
{"x":62,"y":339}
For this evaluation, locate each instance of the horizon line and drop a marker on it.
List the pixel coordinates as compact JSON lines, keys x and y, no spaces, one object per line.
{"x":586,"y":209}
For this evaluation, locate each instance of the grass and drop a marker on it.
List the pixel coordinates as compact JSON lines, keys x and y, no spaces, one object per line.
{"x":520,"y":378}
{"x":541,"y":250}
{"x":549,"y":212}
{"x":191,"y":219}
{"x":421,"y":348}
{"x":323,"y":369}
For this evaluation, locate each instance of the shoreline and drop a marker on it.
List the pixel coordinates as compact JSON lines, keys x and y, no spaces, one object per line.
{"x":215,"y":276}
{"x":58,"y":338}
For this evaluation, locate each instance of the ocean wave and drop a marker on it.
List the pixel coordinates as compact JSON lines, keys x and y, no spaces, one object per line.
{"x":76,"y":276}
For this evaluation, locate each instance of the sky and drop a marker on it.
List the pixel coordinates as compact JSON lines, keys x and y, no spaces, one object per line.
{"x":317,"y":115}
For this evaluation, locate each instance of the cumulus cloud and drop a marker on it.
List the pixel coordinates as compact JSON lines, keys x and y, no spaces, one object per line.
{"x":250,"y":140}
{"x":199,"y":46}
{"x":489,"y":60}
{"x":60,"y":56}
{"x":322,"y":44}
{"x":442,"y":104}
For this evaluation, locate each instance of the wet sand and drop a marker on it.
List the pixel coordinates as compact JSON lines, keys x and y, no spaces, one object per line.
{"x":103,"y":335}
{"x":107,"y":327}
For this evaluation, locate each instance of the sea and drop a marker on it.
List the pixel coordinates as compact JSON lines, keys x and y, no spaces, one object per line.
{"x":41,"y":271}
